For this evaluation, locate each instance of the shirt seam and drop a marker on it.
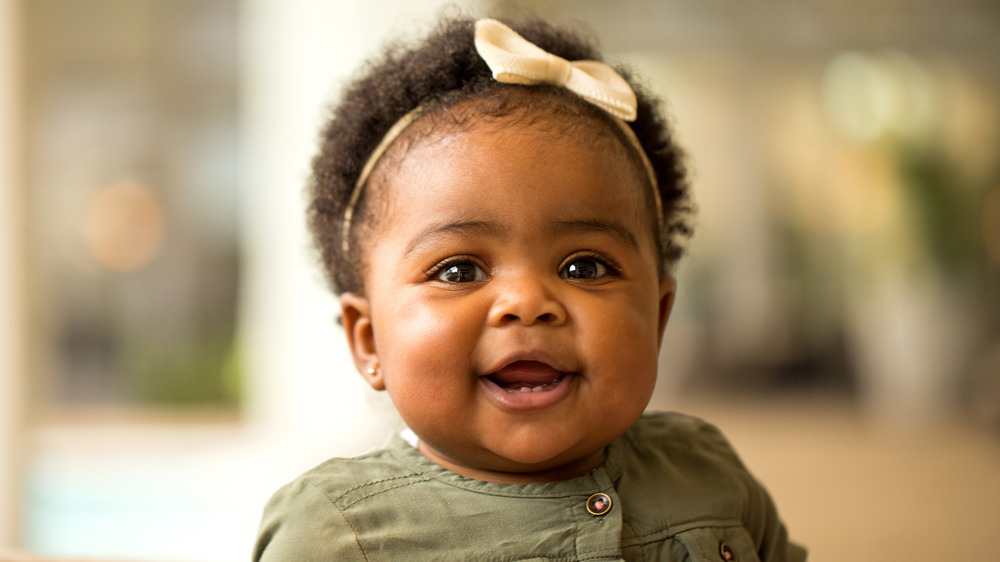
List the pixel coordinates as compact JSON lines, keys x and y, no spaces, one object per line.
{"x":354,"y":502}
{"x":357,"y":535}
{"x":372,"y":483}
{"x":597,"y":553}
{"x":676,"y":529}
{"x":449,"y":478}
{"x":343,"y":513}
{"x":540,"y":495}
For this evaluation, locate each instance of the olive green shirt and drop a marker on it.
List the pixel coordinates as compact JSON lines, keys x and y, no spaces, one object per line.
{"x":673,"y":490}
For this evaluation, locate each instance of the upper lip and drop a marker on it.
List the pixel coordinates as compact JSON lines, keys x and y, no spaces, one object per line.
{"x":536,"y":355}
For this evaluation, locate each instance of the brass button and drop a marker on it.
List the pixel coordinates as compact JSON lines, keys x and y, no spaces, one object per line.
{"x":726,"y":552}
{"x":598,"y":504}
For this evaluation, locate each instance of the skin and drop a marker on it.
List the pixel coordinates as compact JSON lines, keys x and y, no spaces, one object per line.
{"x":512,"y":250}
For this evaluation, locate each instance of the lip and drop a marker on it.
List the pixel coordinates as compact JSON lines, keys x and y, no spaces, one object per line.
{"x":529,"y":401}
{"x":537,"y":356}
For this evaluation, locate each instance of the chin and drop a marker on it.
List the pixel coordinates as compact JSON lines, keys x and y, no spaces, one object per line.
{"x":535,"y":456}
{"x":529,"y":461}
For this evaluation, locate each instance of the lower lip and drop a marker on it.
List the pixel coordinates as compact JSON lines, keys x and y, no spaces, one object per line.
{"x":528,"y":401}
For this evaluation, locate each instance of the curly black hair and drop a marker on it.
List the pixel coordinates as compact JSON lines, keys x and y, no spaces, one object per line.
{"x":442,"y":72}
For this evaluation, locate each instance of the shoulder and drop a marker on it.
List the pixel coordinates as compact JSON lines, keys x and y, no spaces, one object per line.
{"x":679,"y":437}
{"x":308,"y":518}
{"x":680,"y":468}
{"x":671,"y":425}
{"x":691,"y":462}
{"x":343,"y":481}
{"x":300,"y":523}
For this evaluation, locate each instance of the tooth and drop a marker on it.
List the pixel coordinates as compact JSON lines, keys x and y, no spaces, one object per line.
{"x":538,"y":389}
{"x":525,"y":389}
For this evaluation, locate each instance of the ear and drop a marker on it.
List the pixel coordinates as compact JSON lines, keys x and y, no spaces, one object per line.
{"x":357,"y":319}
{"x":668,"y":288}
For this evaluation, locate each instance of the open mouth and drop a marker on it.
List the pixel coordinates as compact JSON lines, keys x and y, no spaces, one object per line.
{"x":527,"y":376}
{"x":530,"y":381}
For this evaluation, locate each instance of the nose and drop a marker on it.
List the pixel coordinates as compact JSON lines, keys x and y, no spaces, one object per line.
{"x":526,"y":299}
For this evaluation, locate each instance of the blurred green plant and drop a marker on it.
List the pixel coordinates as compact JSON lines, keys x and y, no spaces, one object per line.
{"x":204,"y":371}
{"x":943,"y":209}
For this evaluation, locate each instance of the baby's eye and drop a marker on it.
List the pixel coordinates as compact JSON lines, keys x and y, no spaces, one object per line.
{"x":584,"y":268}
{"x":464,"y":272}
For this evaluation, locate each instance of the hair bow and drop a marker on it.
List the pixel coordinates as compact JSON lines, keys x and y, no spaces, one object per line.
{"x":515,"y":60}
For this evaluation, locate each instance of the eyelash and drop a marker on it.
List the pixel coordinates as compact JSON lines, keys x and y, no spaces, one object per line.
{"x":444,"y":264}
{"x":614,"y":270}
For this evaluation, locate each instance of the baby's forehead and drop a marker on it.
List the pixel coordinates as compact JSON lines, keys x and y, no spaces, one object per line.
{"x":542,"y":110}
{"x":444,"y":170}
{"x":492,"y":151}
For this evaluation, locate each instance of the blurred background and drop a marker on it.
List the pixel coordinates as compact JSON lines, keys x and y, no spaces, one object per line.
{"x":169,"y":353}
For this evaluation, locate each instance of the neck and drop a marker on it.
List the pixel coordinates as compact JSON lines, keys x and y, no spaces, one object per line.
{"x":530,"y":474}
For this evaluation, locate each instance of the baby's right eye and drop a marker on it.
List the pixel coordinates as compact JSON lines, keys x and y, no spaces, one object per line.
{"x":463,"y":272}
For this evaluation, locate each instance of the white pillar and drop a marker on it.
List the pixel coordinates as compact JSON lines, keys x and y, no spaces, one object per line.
{"x":12,"y":357}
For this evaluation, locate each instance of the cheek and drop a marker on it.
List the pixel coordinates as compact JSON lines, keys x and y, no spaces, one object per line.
{"x":631,"y":318}
{"x":626,"y":342}
{"x":425,"y":346}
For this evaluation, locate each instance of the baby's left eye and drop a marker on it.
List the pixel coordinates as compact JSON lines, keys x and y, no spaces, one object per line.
{"x":584,"y":269}
{"x":461,"y":273}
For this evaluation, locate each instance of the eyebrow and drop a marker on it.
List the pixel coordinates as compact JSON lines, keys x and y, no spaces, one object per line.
{"x":465,"y":228}
{"x":499,"y":230}
{"x":616,"y":229}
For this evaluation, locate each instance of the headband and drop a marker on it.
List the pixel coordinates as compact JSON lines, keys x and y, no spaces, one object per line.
{"x":515,"y":60}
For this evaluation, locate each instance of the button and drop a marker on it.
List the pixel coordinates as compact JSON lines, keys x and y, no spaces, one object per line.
{"x":599,"y":504}
{"x":726,"y":552}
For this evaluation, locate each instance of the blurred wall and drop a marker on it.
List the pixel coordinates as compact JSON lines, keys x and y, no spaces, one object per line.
{"x":107,"y":472}
{"x":131,"y":192}
{"x":12,"y":387}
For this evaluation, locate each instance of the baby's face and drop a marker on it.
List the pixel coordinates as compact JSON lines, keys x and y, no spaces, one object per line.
{"x":512,"y":303}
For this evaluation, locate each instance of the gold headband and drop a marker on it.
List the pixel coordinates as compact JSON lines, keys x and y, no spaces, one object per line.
{"x":515,"y":60}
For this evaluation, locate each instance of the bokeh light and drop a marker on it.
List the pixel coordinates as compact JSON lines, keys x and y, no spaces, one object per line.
{"x":123,"y":225}
{"x":867,"y":95}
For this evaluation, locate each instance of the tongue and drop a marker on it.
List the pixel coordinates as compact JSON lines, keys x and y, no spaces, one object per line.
{"x":525,"y":373}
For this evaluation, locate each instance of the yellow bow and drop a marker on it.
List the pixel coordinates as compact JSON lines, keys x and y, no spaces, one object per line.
{"x":515,"y":60}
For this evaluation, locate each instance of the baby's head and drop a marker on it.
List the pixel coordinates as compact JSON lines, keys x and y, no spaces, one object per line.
{"x":504,"y":265}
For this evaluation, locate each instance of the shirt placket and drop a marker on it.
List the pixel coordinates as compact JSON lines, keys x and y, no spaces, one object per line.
{"x":599,"y":521}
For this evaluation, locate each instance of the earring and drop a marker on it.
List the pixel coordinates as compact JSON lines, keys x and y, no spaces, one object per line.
{"x":373,"y":369}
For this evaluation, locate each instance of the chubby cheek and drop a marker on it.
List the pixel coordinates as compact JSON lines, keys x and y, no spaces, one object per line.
{"x":626,"y":347}
{"x":425,"y":355}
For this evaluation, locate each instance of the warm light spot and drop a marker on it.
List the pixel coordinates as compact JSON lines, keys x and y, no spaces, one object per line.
{"x":123,"y":225}
{"x":868,"y":95}
{"x":862,"y":194}
{"x":856,"y":96}
{"x":991,"y":224}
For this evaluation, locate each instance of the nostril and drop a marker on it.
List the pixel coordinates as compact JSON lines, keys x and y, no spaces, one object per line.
{"x":546,"y":317}
{"x":543,"y":318}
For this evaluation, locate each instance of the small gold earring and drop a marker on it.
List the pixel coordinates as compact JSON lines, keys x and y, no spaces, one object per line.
{"x":372,"y":370}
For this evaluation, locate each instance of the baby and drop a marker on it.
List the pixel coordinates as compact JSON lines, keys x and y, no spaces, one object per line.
{"x":500,"y":224}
